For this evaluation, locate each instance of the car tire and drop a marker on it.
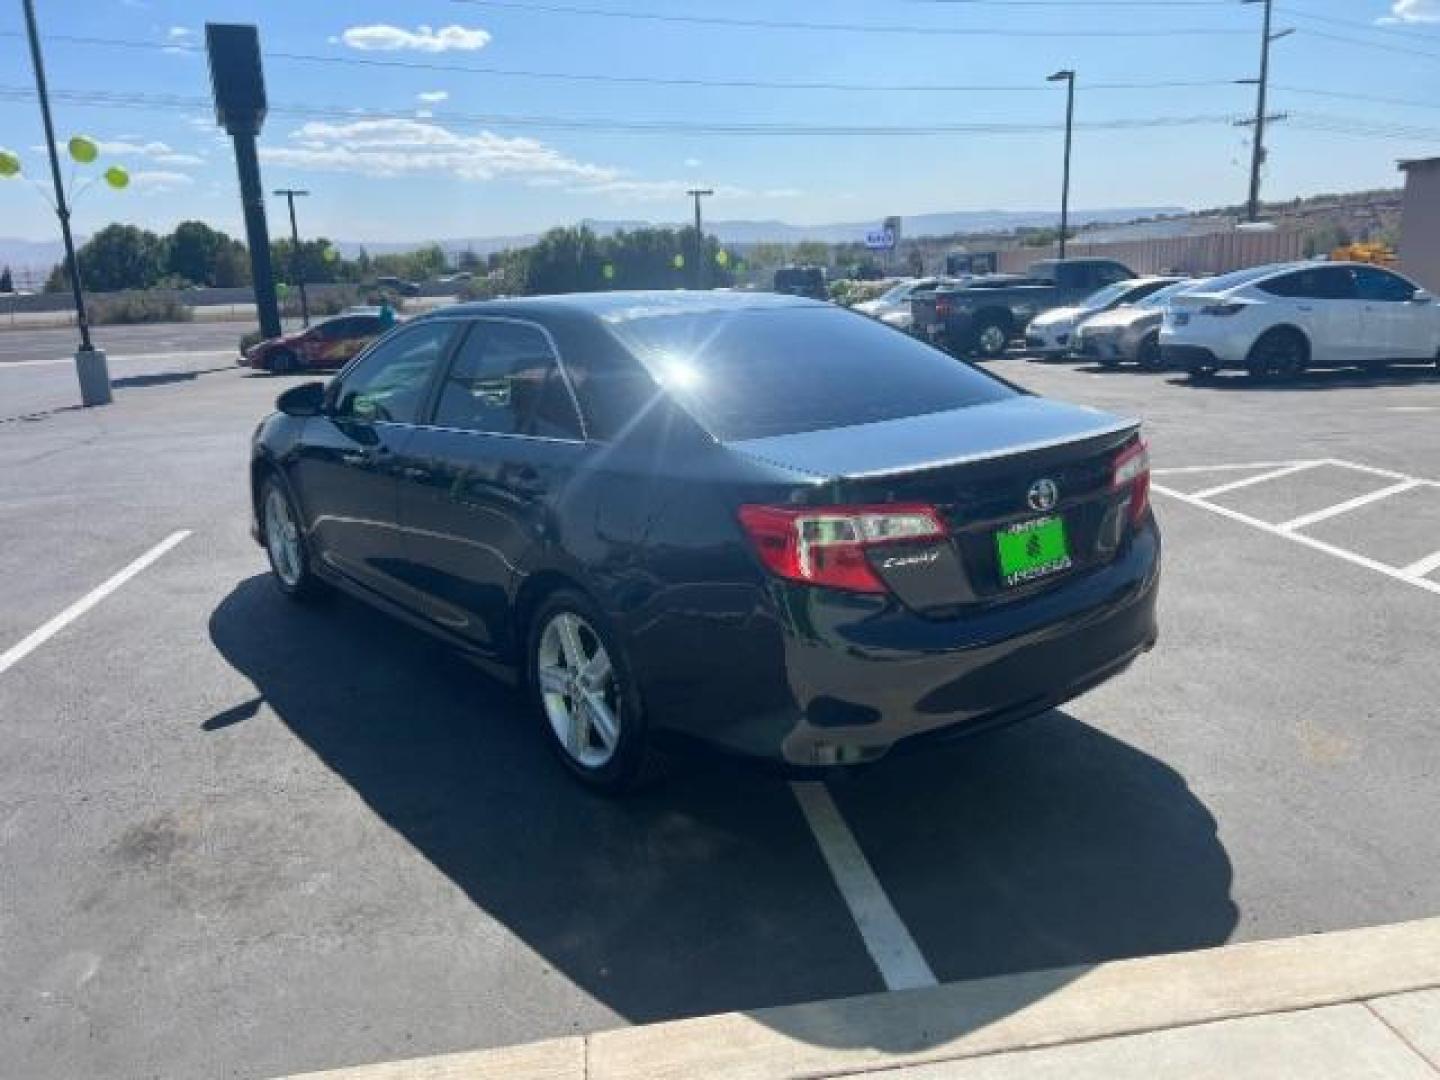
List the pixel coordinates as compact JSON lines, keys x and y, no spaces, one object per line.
{"x":1202,"y":373}
{"x":990,"y":337}
{"x":567,"y":638}
{"x":1108,"y":360}
{"x":284,"y":542}
{"x":1282,"y":352}
{"x":284,"y":362}
{"x":1148,"y":356}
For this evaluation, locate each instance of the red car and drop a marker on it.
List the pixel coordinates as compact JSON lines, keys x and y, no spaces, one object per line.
{"x":327,"y":344}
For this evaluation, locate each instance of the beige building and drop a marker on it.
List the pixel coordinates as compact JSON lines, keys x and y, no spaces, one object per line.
{"x":1420,"y":223}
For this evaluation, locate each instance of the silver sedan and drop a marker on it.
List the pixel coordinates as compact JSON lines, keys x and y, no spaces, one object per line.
{"x":1130,"y":333}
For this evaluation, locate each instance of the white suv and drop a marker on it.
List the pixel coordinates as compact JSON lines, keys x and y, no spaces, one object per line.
{"x":1279,"y":320}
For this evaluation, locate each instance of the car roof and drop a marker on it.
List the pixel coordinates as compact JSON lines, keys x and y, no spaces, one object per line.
{"x":623,"y":306}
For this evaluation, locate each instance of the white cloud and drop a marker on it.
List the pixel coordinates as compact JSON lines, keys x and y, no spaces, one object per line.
{"x":433,"y":97}
{"x":400,"y":147}
{"x":382,"y":37}
{"x":180,"y":33}
{"x":424,"y":114}
{"x":691,"y":163}
{"x":1414,"y":11}
{"x":160,"y":180}
{"x":156,"y":151}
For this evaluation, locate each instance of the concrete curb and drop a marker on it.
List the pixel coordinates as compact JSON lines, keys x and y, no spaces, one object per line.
{"x":971,"y":1019}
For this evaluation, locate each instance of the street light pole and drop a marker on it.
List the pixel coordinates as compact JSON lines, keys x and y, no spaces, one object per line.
{"x":90,"y":366}
{"x":295,"y":263}
{"x":699,"y":273}
{"x":1067,"y":77}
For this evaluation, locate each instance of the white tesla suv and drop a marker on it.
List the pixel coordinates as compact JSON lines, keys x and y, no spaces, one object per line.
{"x":1282,"y":319}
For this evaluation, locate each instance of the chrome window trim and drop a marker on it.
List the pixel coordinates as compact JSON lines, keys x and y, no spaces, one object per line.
{"x":470,"y":321}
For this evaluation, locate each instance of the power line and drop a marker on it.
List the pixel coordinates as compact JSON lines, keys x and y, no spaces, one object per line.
{"x":1374,"y":99}
{"x":1383,"y":46}
{"x":647,"y":80}
{"x":116,"y":99}
{"x":864,"y":28}
{"x":1414,"y":34}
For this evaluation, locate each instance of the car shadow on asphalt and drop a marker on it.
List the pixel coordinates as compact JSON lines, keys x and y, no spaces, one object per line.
{"x":1319,"y":379}
{"x":165,"y":378}
{"x":1043,"y":845}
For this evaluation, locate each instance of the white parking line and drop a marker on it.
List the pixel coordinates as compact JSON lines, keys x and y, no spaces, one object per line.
{"x":1265,"y":477}
{"x":13,"y":655}
{"x":889,"y":943}
{"x":1348,"y":505}
{"x":1307,"y":541}
{"x":1185,"y":470}
{"x":1424,"y":567}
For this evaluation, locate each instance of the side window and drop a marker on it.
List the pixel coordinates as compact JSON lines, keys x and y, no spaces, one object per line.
{"x":1319,"y":283}
{"x":506,"y":380}
{"x":1381,"y":285}
{"x":389,"y":385}
{"x":1109,"y":274}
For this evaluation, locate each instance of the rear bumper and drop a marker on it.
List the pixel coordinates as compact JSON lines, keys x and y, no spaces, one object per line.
{"x":855,"y":676}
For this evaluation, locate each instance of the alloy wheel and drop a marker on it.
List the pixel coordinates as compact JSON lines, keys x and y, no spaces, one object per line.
{"x":282,"y":538}
{"x":992,"y":340}
{"x":578,"y":689}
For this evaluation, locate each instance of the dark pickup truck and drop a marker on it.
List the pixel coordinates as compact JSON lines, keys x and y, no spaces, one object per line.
{"x":983,"y":316}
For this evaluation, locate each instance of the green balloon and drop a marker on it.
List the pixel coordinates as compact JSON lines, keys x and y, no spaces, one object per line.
{"x":678,"y":262}
{"x":722,"y":257}
{"x":9,"y":163}
{"x":608,"y":271}
{"x":83,"y":150}
{"x":117,"y":177}
{"x":331,"y":255}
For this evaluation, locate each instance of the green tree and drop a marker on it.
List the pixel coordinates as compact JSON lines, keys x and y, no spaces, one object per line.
{"x":117,"y":257}
{"x":7,"y":283}
{"x":193,"y":251}
{"x":811,"y":253}
{"x":468,"y":261}
{"x":317,"y":266}
{"x":231,"y":266}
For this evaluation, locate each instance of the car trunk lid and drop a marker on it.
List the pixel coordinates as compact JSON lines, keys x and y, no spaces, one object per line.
{"x":985,"y":469}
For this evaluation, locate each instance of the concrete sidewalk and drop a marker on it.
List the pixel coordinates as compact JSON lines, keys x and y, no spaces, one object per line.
{"x":1357,"y":1003}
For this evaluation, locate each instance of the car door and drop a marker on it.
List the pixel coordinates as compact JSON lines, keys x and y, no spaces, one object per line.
{"x":1321,"y":301}
{"x":480,"y":478}
{"x":1395,"y":327}
{"x":346,"y":465}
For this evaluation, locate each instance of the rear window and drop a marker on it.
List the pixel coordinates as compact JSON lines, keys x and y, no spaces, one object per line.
{"x":756,"y":372}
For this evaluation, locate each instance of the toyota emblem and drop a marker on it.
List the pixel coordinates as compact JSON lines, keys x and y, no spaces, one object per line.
{"x":1043,"y":495}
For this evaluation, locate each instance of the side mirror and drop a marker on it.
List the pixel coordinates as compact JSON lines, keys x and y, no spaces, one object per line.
{"x":1420,"y":296}
{"x":307,"y":399}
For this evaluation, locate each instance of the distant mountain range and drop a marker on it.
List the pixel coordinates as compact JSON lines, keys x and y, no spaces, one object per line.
{"x":37,"y":255}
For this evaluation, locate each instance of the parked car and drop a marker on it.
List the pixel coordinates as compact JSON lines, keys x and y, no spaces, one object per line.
{"x":324,"y":345}
{"x":1130,"y":333}
{"x":895,"y":301}
{"x":983,"y":316}
{"x":1282,"y":319}
{"x":1053,"y":333}
{"x":808,"y":281}
{"x":398,"y":285}
{"x":701,"y":516}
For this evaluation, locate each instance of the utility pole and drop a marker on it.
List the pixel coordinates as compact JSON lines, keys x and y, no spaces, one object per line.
{"x":90,"y":366}
{"x":1067,"y":77}
{"x":295,"y":264}
{"x":1257,"y":154}
{"x":698,"y":276}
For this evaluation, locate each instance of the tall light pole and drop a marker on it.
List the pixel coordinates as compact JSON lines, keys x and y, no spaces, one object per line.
{"x":1067,"y":77}
{"x":699,"y":274}
{"x":1257,"y":154}
{"x":90,"y":366}
{"x":295,"y":264}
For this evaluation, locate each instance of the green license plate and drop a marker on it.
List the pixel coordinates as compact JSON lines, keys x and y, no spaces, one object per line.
{"x":1032,"y":549}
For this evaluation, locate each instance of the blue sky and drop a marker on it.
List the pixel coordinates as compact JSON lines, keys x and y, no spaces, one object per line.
{"x":435,"y":163}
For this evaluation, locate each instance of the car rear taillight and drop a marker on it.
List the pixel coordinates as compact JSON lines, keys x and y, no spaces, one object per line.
{"x":942,"y":308}
{"x":826,"y":545}
{"x":1223,"y":311}
{"x":1132,"y":470}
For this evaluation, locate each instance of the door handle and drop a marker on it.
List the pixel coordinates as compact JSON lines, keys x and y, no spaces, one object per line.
{"x":526,"y":481}
{"x":354,"y":457}
{"x":415,"y":472}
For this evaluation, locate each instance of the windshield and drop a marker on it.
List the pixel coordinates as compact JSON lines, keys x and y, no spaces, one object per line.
{"x":757,"y":372}
{"x":1106,"y":296}
{"x":1161,"y":298}
{"x":899,"y":292}
{"x":1234,"y":280}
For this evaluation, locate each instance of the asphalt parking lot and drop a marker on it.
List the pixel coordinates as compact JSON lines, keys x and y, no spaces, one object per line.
{"x":243,"y":839}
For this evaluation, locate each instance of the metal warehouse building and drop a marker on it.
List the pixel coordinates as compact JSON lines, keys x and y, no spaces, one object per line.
{"x":1420,"y":223}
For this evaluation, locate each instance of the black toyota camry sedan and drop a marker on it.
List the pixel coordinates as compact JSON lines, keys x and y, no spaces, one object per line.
{"x":760,"y":522}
